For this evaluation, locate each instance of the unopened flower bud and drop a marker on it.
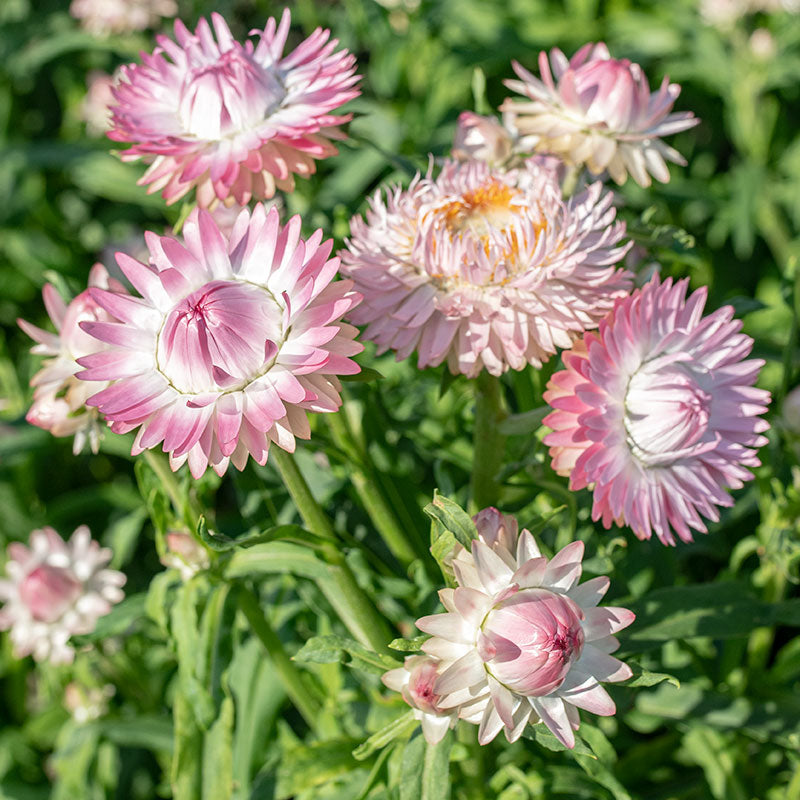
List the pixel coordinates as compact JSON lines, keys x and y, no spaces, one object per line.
{"x":481,"y":138}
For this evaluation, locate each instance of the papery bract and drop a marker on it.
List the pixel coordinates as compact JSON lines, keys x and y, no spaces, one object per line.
{"x":415,"y":681}
{"x":596,"y":110}
{"x":59,"y":399}
{"x":521,"y":641}
{"x":233,"y":340}
{"x":56,"y":589}
{"x":657,"y":412}
{"x":484,"y":269}
{"x":234,"y":120}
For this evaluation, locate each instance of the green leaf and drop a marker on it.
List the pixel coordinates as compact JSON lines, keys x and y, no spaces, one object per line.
{"x":218,"y":755}
{"x":221,"y":543}
{"x":121,"y":619}
{"x":523,"y":424}
{"x":409,"y":645}
{"x":338,"y":649}
{"x":149,"y":732}
{"x":276,"y":557}
{"x":366,"y":375}
{"x":425,"y":769}
{"x":541,"y":735}
{"x":396,"y":729}
{"x":453,"y":518}
{"x":186,"y":770}
{"x":643,"y":677}
{"x":305,"y":767}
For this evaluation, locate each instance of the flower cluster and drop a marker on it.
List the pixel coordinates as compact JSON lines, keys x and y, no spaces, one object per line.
{"x":233,"y":340}
{"x":658,"y":413}
{"x":485,"y":269}
{"x":59,"y":399}
{"x":597,"y":110}
{"x":233,"y":120}
{"x":521,"y":641}
{"x":56,"y":589}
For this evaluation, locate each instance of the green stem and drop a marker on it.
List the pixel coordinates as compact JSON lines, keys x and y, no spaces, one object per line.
{"x":298,"y":692}
{"x":349,"y":601}
{"x":489,"y":443}
{"x":363,"y":479}
{"x":185,"y":507}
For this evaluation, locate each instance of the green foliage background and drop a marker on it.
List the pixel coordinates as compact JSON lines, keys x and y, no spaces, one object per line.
{"x":198,"y":710}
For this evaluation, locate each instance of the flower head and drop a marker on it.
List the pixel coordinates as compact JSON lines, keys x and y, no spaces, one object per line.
{"x":486,"y":270}
{"x":482,"y":138}
{"x":56,"y":589}
{"x":599,"y":111}
{"x":185,"y":554}
{"x":59,"y":398}
{"x":233,"y":339}
{"x":102,"y":17}
{"x":234,"y":120}
{"x":415,"y":681}
{"x":658,"y":413}
{"x":521,"y":641}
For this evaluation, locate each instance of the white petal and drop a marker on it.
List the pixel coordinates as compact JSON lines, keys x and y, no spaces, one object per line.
{"x":590,"y":592}
{"x":467,"y":671}
{"x":564,"y":569}
{"x":603,"y":666}
{"x":494,"y":573}
{"x":551,"y":709}
{"x":490,"y":725}
{"x":601,"y":622}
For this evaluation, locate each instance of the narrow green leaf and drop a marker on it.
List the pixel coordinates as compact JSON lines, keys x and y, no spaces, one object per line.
{"x":149,"y":732}
{"x":542,"y":736}
{"x":305,"y":767}
{"x":453,"y":518}
{"x":366,"y":375}
{"x":525,"y":423}
{"x":426,"y":769}
{"x":186,"y":770}
{"x":221,"y":543}
{"x":409,"y":645}
{"x":396,"y":729}
{"x":643,"y":677}
{"x":218,"y":755}
{"x":338,"y":649}
{"x":276,"y":557}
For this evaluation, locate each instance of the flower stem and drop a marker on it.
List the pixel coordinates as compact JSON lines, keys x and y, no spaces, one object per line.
{"x":354,"y":608}
{"x":292,"y":681}
{"x":185,"y":507}
{"x":363,"y":478}
{"x":489,"y":443}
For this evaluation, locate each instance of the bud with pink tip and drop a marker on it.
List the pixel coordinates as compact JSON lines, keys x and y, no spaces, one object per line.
{"x":185,"y":554}
{"x":481,"y":138}
{"x":521,"y":642}
{"x":415,"y":681}
{"x":56,"y":589}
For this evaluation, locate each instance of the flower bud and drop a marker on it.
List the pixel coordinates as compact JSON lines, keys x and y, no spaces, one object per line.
{"x":481,"y":138}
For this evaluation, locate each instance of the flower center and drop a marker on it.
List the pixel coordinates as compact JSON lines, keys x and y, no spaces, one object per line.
{"x":229,"y":96}
{"x":531,"y":639}
{"x":480,"y":210}
{"x":666,"y":412}
{"x":420,"y":686}
{"x":219,"y":338}
{"x":49,"y":592}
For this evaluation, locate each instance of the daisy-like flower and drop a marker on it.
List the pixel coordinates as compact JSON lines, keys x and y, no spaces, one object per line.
{"x":59,"y":398}
{"x":486,"y":270}
{"x":102,"y":17}
{"x":658,"y":413}
{"x":234,"y":120}
{"x":521,"y":642}
{"x":233,"y":339}
{"x":56,"y":589}
{"x":415,"y":681}
{"x":599,"y":111}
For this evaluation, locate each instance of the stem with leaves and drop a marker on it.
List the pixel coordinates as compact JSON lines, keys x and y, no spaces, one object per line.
{"x":489,"y":443}
{"x":354,"y":608}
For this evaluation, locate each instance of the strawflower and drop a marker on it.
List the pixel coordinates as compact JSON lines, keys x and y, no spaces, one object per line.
{"x":102,"y":17}
{"x":484,"y":269}
{"x":415,"y":681}
{"x":233,"y":340}
{"x":59,"y":398}
{"x":599,"y":111}
{"x":234,"y":120}
{"x":521,"y":641}
{"x":657,"y":412}
{"x":56,"y":589}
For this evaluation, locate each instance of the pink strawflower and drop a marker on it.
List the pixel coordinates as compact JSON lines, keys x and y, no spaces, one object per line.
{"x":657,"y":412}
{"x":59,"y":398}
{"x":521,"y":642}
{"x":102,"y":17}
{"x":95,"y":110}
{"x":599,"y":111}
{"x":185,"y":554}
{"x":56,"y":589}
{"x":236,"y":121}
{"x":481,"y":138}
{"x":486,"y":270}
{"x":415,"y":681}
{"x":233,"y":339}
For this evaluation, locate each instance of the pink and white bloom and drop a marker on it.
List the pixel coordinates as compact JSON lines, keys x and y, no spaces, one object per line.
{"x":185,"y":554}
{"x":482,"y":269}
{"x":599,"y":111}
{"x":481,"y":138}
{"x":233,"y":340}
{"x":234,"y":120}
{"x":56,"y":589}
{"x":657,"y":412}
{"x":59,"y":398}
{"x":95,"y":110}
{"x":103,"y":17}
{"x":521,"y":641}
{"x":415,"y":681}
